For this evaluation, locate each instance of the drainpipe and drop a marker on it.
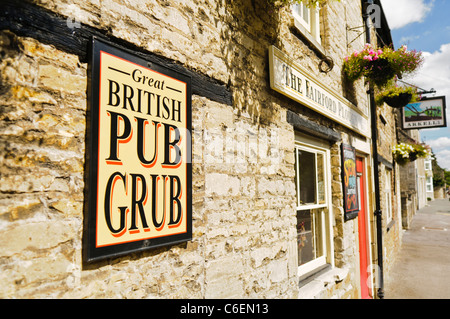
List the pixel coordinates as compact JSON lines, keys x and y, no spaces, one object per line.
{"x":374,"y":127}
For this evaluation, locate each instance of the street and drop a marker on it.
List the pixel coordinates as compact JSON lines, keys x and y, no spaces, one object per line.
{"x":422,"y":269}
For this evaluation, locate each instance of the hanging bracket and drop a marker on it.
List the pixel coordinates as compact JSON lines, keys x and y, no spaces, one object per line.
{"x":422,"y":91}
{"x":354,"y":29}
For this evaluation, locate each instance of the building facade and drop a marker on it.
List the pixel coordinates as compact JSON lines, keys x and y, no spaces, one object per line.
{"x":281,"y":144}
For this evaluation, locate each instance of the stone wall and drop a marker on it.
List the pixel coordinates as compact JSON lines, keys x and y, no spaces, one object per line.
{"x":439,"y":192}
{"x":42,"y":137}
{"x":244,"y":222}
{"x":242,"y":201}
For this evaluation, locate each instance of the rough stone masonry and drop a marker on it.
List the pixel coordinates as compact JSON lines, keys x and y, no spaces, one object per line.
{"x":244,"y":220}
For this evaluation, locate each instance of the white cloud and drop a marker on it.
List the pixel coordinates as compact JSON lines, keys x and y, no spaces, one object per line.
{"x":400,"y":13}
{"x":442,"y":142}
{"x":443,"y":159}
{"x":441,"y":148}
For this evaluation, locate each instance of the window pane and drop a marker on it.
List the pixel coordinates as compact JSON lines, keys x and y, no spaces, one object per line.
{"x":429,"y":184}
{"x":309,"y":235}
{"x":388,"y":181}
{"x":320,"y":178}
{"x":388,"y":196}
{"x":305,"y":15}
{"x":307,"y":177}
{"x":297,"y":9}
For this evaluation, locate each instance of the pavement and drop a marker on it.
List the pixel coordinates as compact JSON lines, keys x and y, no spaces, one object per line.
{"x":422,"y":268}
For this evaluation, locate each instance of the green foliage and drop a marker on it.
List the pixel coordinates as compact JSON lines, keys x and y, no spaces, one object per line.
{"x":308,"y":3}
{"x":404,"y":153}
{"x":447,"y":177}
{"x":380,"y":66}
{"x":394,"y":90}
{"x":438,"y":181}
{"x":402,"y":60}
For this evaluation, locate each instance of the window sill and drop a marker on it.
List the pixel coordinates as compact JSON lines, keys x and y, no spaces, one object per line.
{"x":390,"y":225}
{"x":313,"y":286}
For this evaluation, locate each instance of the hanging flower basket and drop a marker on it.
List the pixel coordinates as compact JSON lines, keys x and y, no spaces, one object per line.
{"x":400,"y":160}
{"x":397,"y":96}
{"x":404,"y":153}
{"x":398,"y":101}
{"x":413,"y":156}
{"x":380,"y":72}
{"x":380,"y":66}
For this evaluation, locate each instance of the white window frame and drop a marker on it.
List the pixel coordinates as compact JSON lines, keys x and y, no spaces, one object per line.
{"x":427,"y":164}
{"x":429,"y":184}
{"x":317,"y":264}
{"x":312,"y":25}
{"x":388,"y":194}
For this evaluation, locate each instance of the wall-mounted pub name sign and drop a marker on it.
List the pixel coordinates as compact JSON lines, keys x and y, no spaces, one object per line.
{"x":290,"y":78}
{"x":139,"y":161}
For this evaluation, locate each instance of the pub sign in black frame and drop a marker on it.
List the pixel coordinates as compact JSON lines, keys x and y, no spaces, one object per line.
{"x":139,"y":164}
{"x":426,"y":113}
{"x":349,"y":182}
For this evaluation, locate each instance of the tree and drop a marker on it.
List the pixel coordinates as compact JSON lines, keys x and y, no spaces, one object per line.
{"x":439,"y":177}
{"x":438,"y":181}
{"x":447,"y":177}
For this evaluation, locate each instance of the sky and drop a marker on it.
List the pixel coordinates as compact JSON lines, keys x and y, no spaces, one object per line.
{"x":424,"y":25}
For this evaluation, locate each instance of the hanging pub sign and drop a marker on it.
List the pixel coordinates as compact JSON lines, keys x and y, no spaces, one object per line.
{"x":427,"y":113}
{"x":139,"y":160}
{"x":349,"y":180}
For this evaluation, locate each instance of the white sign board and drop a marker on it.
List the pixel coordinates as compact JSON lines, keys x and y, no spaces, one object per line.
{"x":291,"y":79}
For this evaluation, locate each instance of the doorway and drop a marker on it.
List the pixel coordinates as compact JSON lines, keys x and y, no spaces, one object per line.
{"x":364,"y":248}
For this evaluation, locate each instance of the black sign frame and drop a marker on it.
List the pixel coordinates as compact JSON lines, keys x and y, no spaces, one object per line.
{"x":425,"y":99}
{"x":349,"y":172}
{"x":91,"y":253}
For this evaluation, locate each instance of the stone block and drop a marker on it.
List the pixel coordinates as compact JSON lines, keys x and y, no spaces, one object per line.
{"x":223,"y":278}
{"x":221,"y":184}
{"x":55,"y":78}
{"x":37,"y":236}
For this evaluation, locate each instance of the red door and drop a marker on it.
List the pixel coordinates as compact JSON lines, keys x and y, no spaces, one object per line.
{"x":362,"y":228}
